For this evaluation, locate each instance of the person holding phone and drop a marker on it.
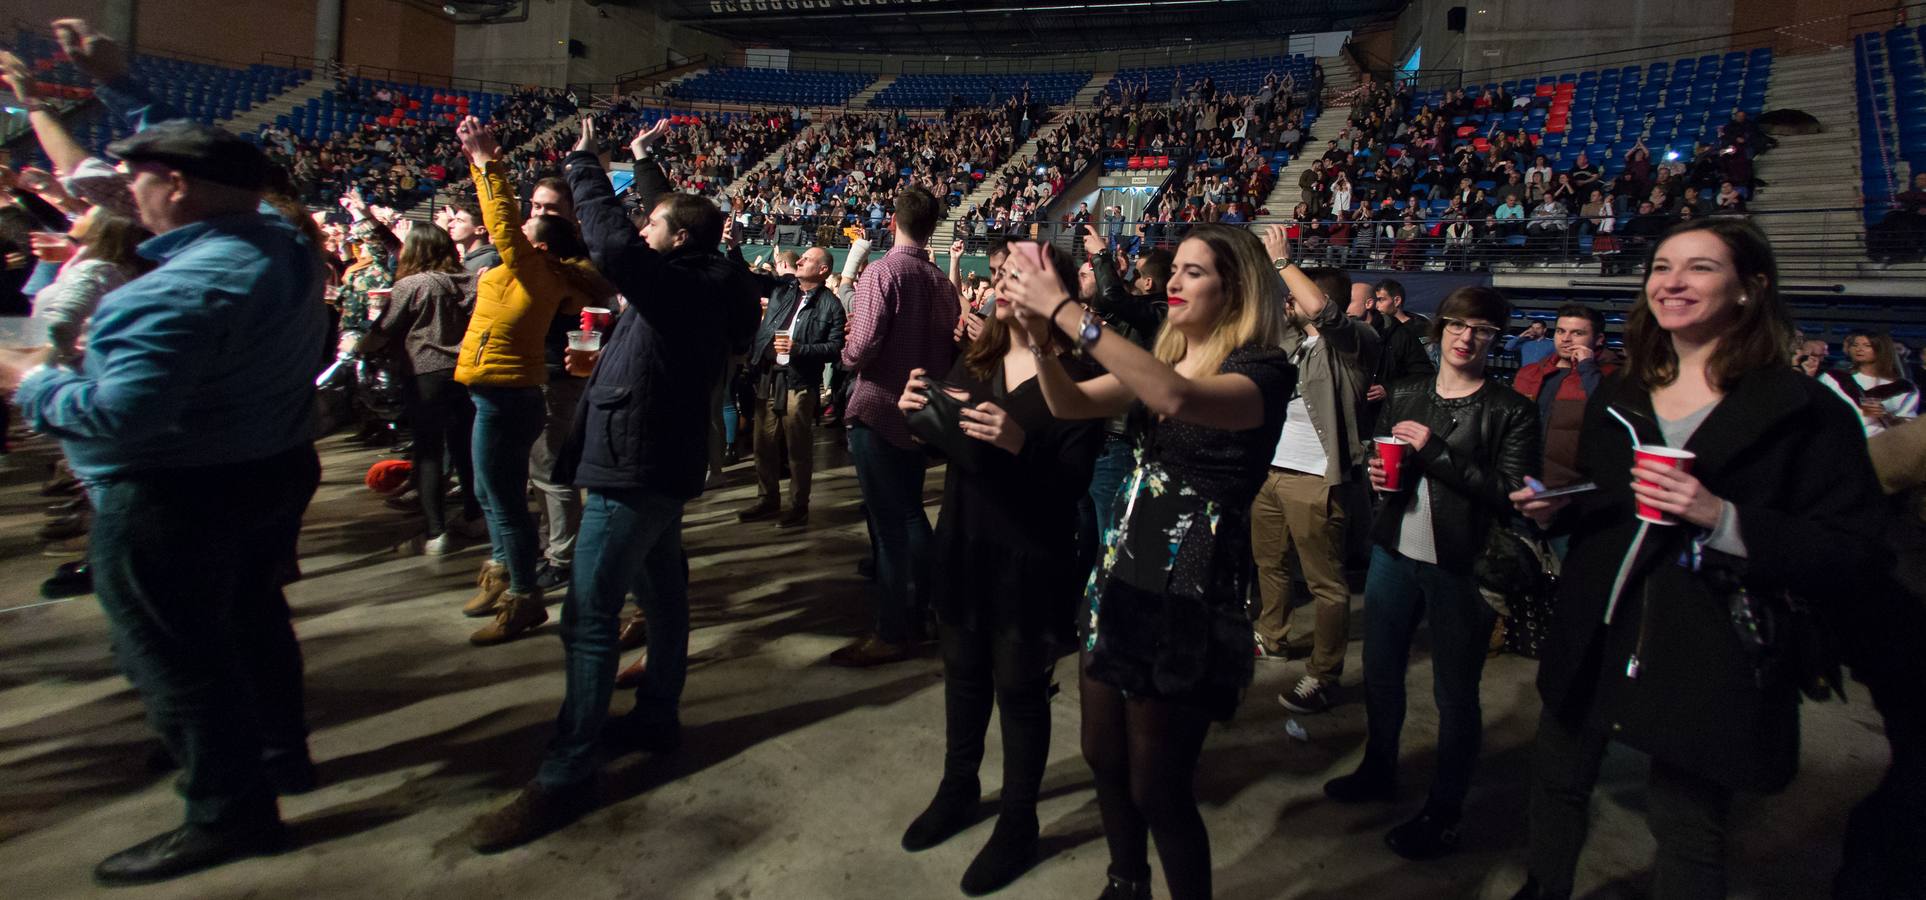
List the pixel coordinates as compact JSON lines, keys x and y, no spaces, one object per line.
{"x":1005,"y":575}
{"x":1166,"y":640}
{"x":1779,"y":498}
{"x":1468,"y":442}
{"x":1874,"y":384}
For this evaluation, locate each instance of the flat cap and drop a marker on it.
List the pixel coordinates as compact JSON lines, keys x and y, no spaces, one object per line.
{"x":197,"y":151}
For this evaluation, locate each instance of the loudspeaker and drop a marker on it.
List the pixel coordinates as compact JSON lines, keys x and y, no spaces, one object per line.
{"x":1455,"y":19}
{"x":577,"y":49}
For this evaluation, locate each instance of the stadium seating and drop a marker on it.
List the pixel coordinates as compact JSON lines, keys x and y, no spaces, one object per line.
{"x":204,"y":91}
{"x":1238,"y":76}
{"x":1604,"y":113}
{"x":355,"y":106}
{"x":935,"y":91}
{"x":801,"y":87}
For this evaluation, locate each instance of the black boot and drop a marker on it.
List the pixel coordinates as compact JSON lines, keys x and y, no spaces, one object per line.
{"x":1012,"y":850}
{"x":1121,"y":888}
{"x":952,"y":810}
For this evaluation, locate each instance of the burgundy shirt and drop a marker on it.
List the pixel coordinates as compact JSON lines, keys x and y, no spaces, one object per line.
{"x":902,"y":317}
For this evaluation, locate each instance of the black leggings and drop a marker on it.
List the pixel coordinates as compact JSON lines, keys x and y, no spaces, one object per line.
{"x":1143,"y":752}
{"x":980,"y":669}
{"x":443,"y":419}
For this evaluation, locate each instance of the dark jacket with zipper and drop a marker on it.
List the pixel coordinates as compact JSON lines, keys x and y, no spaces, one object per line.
{"x":815,"y":340}
{"x":1481,"y":448}
{"x":1792,"y":461}
{"x":644,"y":418}
{"x":1138,"y":317}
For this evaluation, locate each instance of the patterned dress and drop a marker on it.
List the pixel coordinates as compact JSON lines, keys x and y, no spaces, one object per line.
{"x":1168,"y":615}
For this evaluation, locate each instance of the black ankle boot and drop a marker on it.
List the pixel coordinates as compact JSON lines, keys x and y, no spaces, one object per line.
{"x":950,"y":812}
{"x":1012,"y":850}
{"x":1121,"y":888}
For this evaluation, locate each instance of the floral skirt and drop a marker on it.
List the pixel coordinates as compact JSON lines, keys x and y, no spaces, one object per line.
{"x":1167,"y":615}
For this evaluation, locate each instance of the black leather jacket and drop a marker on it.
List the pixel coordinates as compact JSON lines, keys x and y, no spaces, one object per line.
{"x":1480,"y":450}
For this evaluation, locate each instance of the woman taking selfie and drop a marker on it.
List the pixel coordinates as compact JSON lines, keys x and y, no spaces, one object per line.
{"x":1005,"y":582}
{"x":1665,"y":562}
{"x":1167,"y":644}
{"x":1465,"y":442}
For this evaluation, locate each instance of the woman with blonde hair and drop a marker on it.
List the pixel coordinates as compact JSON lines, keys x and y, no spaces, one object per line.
{"x":1167,"y":644}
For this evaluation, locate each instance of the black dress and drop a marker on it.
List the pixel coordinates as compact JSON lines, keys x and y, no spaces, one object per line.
{"x":1005,"y":559}
{"x":1168,"y":614}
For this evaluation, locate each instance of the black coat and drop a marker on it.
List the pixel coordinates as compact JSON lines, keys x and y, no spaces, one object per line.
{"x":816,"y":338}
{"x":1792,"y":460}
{"x":644,"y":419}
{"x":1480,"y":450}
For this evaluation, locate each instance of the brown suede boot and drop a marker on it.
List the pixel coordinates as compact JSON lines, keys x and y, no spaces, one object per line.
{"x":493,"y":582}
{"x":534,"y":812}
{"x":519,"y":615}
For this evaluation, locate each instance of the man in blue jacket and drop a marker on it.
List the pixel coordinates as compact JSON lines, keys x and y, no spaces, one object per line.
{"x":640,"y":450}
{"x":190,"y":420}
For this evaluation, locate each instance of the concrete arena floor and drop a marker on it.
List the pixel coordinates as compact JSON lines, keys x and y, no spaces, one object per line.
{"x":796,"y":779}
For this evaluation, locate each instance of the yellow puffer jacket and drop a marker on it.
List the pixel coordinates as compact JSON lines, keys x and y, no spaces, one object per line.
{"x":517,"y":301}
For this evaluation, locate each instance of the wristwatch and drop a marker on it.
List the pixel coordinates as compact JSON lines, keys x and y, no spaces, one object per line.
{"x":1279,"y":263}
{"x":1089,"y":331}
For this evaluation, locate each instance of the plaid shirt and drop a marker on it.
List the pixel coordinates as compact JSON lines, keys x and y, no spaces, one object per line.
{"x":902,"y":318}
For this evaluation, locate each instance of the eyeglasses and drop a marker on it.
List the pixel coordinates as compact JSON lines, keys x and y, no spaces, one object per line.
{"x":1482,"y":332}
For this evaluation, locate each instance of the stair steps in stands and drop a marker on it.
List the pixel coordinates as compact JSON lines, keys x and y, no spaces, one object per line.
{"x":860,"y":99}
{"x":1284,"y":194}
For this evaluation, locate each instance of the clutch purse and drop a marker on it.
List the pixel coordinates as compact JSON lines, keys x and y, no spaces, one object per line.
{"x":939,"y":424}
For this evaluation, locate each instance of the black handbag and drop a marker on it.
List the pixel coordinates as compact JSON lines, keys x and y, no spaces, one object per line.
{"x":1787,"y":640}
{"x":940,"y":424}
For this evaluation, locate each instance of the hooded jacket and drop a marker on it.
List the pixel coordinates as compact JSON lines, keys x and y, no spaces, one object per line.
{"x":517,"y":301}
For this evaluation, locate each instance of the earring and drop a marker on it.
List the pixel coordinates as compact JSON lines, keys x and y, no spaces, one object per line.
{"x":1742,"y":299}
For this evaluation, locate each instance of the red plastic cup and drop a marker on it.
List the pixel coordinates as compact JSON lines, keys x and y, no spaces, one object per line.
{"x":1391,"y":452}
{"x":1664,"y":456}
{"x":595,"y":318}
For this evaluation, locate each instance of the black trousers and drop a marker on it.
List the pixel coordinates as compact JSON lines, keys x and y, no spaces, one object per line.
{"x":443,"y":418}
{"x":1013,"y":674}
{"x":1687,"y":814}
{"x":189,"y":566}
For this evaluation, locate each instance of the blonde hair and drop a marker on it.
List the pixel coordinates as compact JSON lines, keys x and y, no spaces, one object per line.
{"x":1252,"y":311}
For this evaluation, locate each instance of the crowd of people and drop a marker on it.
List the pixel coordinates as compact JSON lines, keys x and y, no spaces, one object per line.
{"x":1134,"y":456}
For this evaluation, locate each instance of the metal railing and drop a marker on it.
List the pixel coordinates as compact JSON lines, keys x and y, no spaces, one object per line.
{"x":1807,"y":243}
{"x":339,"y":69}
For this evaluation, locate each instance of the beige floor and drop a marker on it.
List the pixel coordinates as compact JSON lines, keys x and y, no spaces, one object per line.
{"x":796,"y":779}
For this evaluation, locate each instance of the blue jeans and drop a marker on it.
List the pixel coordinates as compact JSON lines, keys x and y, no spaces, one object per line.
{"x":631,"y":541}
{"x":891,"y":479}
{"x":1114,"y":463}
{"x":507,"y":423}
{"x":189,"y":565}
{"x":1398,"y":593}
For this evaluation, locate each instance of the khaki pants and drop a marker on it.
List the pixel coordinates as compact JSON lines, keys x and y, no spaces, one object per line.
{"x":1295,"y":510}
{"x":792,"y":433}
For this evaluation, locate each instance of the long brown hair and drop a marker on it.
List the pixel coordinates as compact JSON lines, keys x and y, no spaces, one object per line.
{"x":1757,"y":341}
{"x":1885,"y":362}
{"x":115,"y":238}
{"x":985,"y":354}
{"x":428,"y":248}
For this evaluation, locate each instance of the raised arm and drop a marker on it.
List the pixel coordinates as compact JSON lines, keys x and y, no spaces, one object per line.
{"x":60,"y":146}
{"x":1231,"y":402}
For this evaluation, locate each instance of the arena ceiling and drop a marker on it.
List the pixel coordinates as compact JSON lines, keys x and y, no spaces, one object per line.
{"x":1027,"y":27}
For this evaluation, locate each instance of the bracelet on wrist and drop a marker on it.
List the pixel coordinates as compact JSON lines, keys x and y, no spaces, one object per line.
{"x":1059,"y":308}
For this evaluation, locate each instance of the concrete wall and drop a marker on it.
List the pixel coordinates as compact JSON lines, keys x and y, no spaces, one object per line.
{"x":1500,"y":35}
{"x":616,"y":39}
{"x":383,"y":33}
{"x":395,"y":36}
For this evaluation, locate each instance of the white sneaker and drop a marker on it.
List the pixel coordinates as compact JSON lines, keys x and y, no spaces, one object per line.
{"x":441,"y":544}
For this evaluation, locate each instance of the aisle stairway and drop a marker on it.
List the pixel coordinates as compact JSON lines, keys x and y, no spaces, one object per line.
{"x":1284,"y":194}
{"x":265,"y":112}
{"x":861,"y":98}
{"x":1808,"y":204}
